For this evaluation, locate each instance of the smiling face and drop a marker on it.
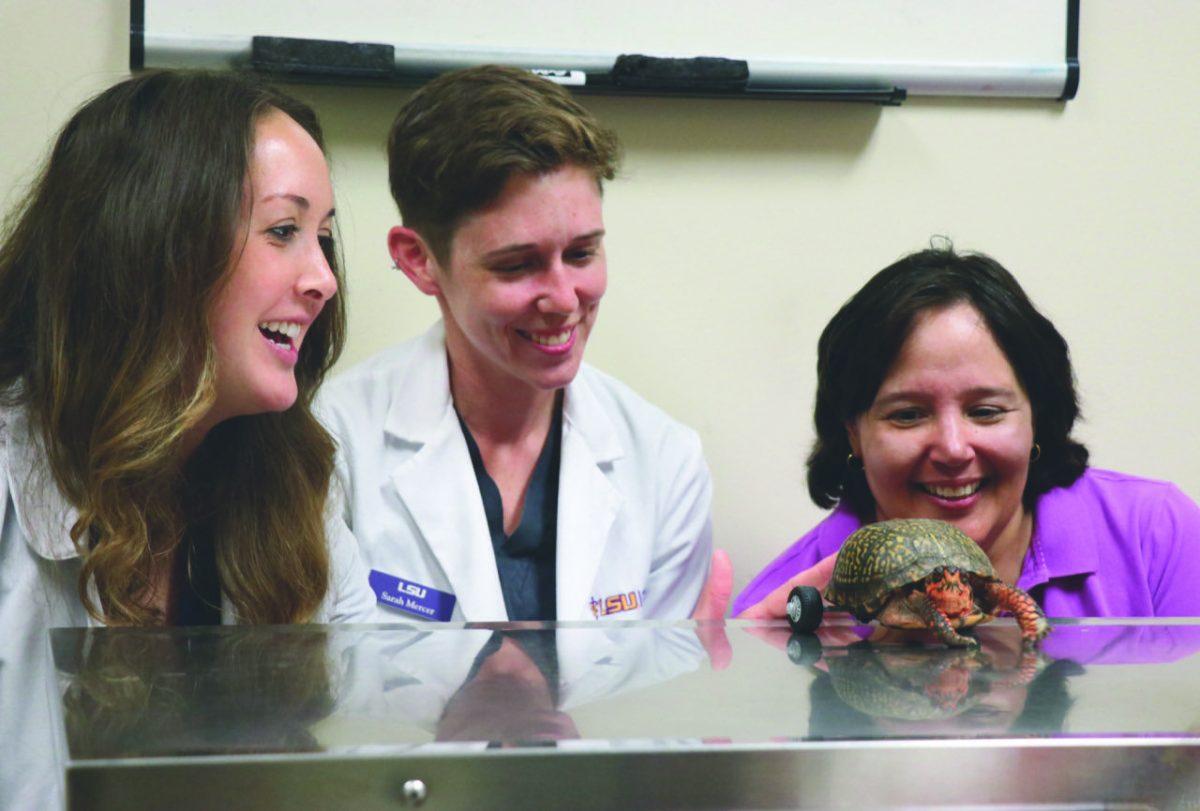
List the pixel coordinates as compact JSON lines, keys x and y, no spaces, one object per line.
{"x":525,"y":278}
{"x":950,"y":431}
{"x":280,"y":278}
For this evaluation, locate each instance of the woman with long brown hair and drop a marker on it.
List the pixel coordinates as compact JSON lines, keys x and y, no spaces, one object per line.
{"x":167,"y":311}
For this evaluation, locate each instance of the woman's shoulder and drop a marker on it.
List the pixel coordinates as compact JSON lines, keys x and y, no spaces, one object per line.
{"x":1150,"y":527}
{"x":1152,"y":514}
{"x":828,"y":536}
{"x":349,"y":598}
{"x":1115,"y":490}
{"x":14,"y":417}
{"x":408,"y":382}
{"x":43,"y":515}
{"x":818,"y":543}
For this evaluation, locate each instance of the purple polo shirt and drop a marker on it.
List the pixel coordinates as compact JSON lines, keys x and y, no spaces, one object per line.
{"x":1110,"y":545}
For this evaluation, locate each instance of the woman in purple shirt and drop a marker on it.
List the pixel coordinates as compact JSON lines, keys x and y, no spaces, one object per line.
{"x":943,"y":393}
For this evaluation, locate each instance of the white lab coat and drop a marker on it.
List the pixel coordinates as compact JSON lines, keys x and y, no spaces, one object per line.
{"x":634,"y":496}
{"x":39,"y":575}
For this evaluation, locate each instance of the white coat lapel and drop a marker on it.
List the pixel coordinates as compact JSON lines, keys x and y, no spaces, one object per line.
{"x":588,"y":503}
{"x":437,"y":483}
{"x":439,"y":489}
{"x":43,"y":516}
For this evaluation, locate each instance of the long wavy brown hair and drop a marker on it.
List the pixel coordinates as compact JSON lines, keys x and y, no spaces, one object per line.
{"x":108,"y":269}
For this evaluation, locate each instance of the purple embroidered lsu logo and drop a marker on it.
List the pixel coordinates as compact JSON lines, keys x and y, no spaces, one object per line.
{"x":616,"y":603}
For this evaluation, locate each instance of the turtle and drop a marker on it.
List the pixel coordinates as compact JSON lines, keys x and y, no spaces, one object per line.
{"x":917,"y":573}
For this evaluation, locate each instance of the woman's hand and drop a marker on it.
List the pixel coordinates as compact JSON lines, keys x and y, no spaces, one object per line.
{"x":713,"y":602}
{"x":774,"y":605}
{"x":714,"y":597}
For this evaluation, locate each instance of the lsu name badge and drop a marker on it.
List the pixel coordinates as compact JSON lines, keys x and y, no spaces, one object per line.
{"x":616,"y":603}
{"x":410,"y":597}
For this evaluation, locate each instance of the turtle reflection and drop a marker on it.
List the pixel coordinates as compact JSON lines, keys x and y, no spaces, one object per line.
{"x":910,"y":685}
{"x":868,"y":689}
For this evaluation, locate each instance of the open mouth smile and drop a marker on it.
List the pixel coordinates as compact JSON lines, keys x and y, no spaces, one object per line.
{"x":551,"y":342}
{"x":281,"y":335}
{"x":957,"y":493}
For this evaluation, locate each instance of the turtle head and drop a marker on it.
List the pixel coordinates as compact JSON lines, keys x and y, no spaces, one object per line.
{"x":950,"y":591}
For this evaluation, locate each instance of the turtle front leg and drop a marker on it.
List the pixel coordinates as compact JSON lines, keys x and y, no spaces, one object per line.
{"x":1028,"y":613}
{"x":938,"y":622}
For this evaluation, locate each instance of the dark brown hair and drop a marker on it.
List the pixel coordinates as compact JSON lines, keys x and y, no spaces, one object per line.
{"x":460,"y":138}
{"x":859,"y":345}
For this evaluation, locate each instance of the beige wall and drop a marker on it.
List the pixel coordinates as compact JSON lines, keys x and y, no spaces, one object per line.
{"x":738,"y":228}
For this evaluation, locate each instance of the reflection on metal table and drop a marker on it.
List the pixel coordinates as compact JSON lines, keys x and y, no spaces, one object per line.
{"x":628,"y":714}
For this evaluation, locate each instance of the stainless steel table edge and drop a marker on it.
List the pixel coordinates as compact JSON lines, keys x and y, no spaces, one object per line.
{"x":801,"y":774}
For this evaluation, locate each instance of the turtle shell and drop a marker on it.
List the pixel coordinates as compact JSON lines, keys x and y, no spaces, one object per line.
{"x":880,"y":558}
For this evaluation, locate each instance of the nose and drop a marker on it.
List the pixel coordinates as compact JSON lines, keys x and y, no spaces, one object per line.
{"x":318,"y":281}
{"x":559,"y":295}
{"x":951,"y":444}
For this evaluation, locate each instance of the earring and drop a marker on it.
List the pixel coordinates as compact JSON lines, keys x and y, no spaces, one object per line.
{"x":853,"y":462}
{"x":1036,"y":453}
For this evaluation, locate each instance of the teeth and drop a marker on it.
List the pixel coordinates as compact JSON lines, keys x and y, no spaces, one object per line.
{"x":952,"y":492}
{"x":287,"y":329}
{"x":557,"y":339}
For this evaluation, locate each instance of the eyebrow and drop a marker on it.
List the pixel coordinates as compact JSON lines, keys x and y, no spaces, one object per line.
{"x":527,"y":246}
{"x":971,"y":394}
{"x":298,"y":199}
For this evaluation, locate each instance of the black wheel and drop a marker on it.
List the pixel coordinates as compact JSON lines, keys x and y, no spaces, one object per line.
{"x":804,"y":609}
{"x":804,"y":649}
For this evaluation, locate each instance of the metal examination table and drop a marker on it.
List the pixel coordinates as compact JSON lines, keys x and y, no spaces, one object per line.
{"x":627,"y":715}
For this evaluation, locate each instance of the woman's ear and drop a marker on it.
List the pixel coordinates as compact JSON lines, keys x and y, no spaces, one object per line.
{"x":852,"y":437}
{"x":413,"y":256}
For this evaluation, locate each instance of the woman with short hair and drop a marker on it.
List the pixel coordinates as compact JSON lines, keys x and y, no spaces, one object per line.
{"x":491,"y":474}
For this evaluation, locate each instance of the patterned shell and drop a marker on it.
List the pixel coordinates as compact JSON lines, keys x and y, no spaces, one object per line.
{"x":880,"y":558}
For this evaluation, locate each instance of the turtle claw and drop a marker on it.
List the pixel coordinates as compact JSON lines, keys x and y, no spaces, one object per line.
{"x":956,"y":640}
{"x":1030,"y":643}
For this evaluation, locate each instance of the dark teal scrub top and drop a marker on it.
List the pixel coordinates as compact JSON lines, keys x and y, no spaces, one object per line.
{"x":525,"y":560}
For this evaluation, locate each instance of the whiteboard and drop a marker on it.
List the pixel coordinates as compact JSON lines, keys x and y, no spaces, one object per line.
{"x":935,"y":47}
